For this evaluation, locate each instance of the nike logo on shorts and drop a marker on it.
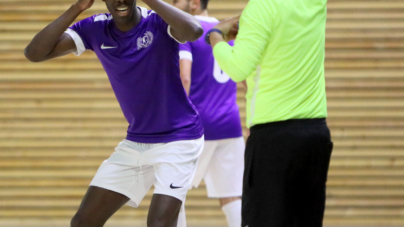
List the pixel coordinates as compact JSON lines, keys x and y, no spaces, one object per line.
{"x":106,"y":47}
{"x":174,"y":187}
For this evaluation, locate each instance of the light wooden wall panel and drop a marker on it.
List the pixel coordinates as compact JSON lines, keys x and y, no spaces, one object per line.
{"x":60,"y":119}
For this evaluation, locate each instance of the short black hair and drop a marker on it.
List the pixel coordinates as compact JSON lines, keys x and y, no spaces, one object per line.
{"x":204,"y":4}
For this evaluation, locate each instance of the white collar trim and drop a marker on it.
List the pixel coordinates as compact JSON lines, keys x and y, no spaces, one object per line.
{"x":206,"y":19}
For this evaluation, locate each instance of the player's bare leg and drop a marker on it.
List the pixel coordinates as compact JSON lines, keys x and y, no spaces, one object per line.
{"x":163,"y":211}
{"x":97,"y":207}
{"x":224,"y":201}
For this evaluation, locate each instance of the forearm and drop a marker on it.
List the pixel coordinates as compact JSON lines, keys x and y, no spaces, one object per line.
{"x":44,"y":42}
{"x":185,"y":74}
{"x":225,"y":58}
{"x":185,"y":26}
{"x":215,"y":38}
{"x":253,"y":33}
{"x":187,"y":85}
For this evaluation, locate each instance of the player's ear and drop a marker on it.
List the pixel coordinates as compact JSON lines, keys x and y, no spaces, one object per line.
{"x":195,"y":4}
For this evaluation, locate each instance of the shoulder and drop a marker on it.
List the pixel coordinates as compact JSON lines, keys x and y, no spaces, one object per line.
{"x":211,"y":20}
{"x":146,"y":13}
{"x":149,"y":15}
{"x":207,"y":22}
{"x":98,"y":19}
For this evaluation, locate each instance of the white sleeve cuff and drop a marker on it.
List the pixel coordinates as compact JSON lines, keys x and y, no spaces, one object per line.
{"x":169,"y":33}
{"x":186,"y":55}
{"x":77,"y":39}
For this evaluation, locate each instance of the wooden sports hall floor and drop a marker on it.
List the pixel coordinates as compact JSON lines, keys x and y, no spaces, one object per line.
{"x":131,"y":223}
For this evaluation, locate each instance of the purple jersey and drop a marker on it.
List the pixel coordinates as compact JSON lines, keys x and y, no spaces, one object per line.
{"x":143,"y":67}
{"x":212,"y":91}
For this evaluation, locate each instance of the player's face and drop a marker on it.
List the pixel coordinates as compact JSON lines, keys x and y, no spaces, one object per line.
{"x":121,"y":8}
{"x":183,"y":5}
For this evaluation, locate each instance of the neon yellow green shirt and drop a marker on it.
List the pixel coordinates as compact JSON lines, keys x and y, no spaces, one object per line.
{"x":280,"y":50}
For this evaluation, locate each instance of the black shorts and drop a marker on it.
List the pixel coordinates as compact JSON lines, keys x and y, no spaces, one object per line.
{"x":286,"y":166}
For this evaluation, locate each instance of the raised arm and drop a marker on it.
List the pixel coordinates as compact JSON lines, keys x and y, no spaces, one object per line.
{"x":184,"y":27}
{"x":52,"y":42}
{"x":241,"y":60}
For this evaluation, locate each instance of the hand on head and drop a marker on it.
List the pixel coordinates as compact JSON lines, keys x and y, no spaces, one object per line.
{"x":84,"y":4}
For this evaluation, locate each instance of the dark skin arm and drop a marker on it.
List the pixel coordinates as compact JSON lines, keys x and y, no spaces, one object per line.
{"x":52,"y":42}
{"x":184,"y":27}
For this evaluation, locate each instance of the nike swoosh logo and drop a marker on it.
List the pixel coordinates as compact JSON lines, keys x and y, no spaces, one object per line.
{"x":174,"y":187}
{"x":106,"y":47}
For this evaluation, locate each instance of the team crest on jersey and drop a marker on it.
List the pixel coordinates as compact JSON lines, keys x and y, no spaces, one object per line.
{"x":145,"y":41}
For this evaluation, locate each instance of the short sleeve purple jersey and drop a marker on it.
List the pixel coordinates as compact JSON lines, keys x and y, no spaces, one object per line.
{"x":212,"y":91}
{"x":143,"y":67}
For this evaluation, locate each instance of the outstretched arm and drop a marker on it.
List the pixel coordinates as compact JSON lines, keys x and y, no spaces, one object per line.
{"x":184,"y":27}
{"x":52,"y":42}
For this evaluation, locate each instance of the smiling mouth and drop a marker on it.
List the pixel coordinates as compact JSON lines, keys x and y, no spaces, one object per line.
{"x":122,"y":11}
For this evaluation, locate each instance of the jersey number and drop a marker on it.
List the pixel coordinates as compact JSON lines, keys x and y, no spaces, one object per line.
{"x":219,"y":75}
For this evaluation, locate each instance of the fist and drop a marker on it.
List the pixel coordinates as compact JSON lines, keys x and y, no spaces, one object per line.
{"x":229,"y":27}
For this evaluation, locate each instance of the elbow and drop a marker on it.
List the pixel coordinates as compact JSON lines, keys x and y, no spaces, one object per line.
{"x":238,"y":78}
{"x":236,"y":75}
{"x":31,"y":55}
{"x":197,"y":32}
{"x":186,"y":81}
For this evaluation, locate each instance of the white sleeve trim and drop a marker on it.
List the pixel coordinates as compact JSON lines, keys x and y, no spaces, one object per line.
{"x":169,"y":33}
{"x":186,"y":55}
{"x":77,"y":40}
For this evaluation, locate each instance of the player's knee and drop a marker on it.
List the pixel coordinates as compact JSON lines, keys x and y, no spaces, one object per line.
{"x":77,"y":222}
{"x":80,"y":221}
{"x":155,"y":222}
{"x":227,"y":200}
{"x":160,"y":222}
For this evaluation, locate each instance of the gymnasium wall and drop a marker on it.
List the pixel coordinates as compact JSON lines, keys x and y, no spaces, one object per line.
{"x":59,"y":119}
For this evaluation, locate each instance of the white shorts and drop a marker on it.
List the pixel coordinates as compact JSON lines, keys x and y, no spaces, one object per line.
{"x":221,"y":165}
{"x":134,"y":167}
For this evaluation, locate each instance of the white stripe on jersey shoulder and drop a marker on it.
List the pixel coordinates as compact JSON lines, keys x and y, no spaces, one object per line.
{"x":77,"y":40}
{"x":206,"y":19}
{"x":186,"y":55}
{"x":102,"y":17}
{"x":145,"y":14}
{"x":143,"y":11}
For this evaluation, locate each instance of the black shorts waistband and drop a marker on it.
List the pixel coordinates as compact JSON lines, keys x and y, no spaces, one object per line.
{"x":290,"y":123}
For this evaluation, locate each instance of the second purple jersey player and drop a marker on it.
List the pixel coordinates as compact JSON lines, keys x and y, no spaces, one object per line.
{"x":212,"y":91}
{"x":221,"y":164}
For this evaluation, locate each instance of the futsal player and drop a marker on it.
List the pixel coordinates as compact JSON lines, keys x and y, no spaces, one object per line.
{"x":214,"y":94}
{"x":139,"y":52}
{"x":280,"y":50}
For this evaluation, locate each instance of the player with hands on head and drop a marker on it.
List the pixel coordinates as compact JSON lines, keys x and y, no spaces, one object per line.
{"x":53,"y":42}
{"x":138,"y":49}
